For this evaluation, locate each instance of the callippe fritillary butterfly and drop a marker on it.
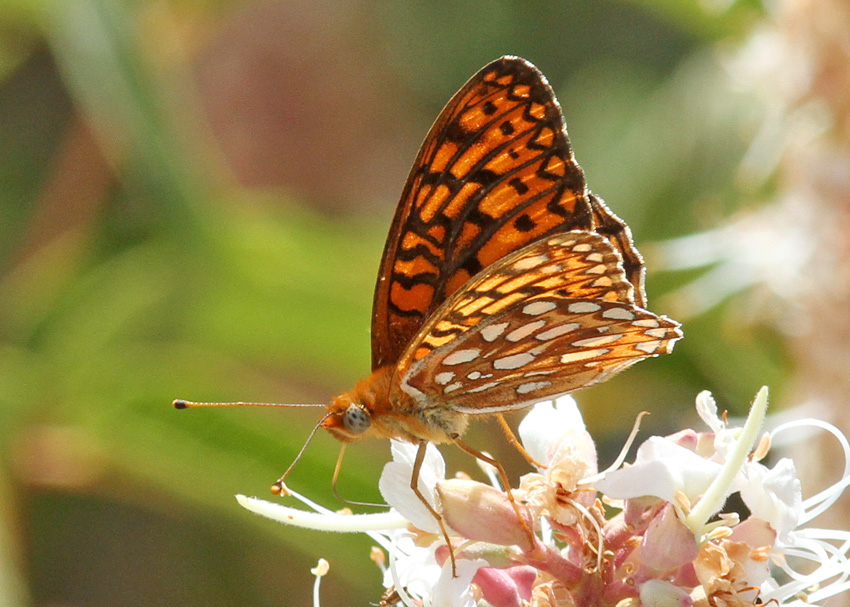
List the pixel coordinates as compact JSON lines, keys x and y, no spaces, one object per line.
{"x":503,"y":282}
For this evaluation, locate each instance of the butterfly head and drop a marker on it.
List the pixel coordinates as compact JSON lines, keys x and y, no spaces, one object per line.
{"x":347,"y":419}
{"x":356,"y":414}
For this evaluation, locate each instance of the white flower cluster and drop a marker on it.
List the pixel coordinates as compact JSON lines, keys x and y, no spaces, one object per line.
{"x":650,"y":533}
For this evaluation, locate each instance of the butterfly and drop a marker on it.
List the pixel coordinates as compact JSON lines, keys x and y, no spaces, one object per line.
{"x":503,"y":281}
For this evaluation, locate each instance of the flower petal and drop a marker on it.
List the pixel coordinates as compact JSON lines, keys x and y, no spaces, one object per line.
{"x":661,"y":469}
{"x":707,"y":411}
{"x":395,"y":484}
{"x":659,"y":593}
{"x":542,"y":429}
{"x":455,"y":591}
{"x":774,"y":495}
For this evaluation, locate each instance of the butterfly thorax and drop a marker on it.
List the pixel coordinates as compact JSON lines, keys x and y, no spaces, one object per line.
{"x":374,"y":408}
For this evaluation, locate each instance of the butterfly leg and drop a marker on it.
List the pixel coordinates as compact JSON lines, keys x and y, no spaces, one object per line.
{"x":414,"y":484}
{"x":516,"y":444}
{"x":503,"y":476}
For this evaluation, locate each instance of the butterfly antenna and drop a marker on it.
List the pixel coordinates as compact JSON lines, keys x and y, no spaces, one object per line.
{"x":187,"y":404}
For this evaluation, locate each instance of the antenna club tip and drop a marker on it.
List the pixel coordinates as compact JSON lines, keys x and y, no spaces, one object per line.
{"x":180,"y":404}
{"x":279,"y":488}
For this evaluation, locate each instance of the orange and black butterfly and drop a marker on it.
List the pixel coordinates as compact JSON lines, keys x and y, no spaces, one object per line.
{"x":503,"y":282}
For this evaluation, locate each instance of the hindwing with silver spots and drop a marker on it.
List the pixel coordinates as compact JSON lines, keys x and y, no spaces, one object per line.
{"x":554,"y":317}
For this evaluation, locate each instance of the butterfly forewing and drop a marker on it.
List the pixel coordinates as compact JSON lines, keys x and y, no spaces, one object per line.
{"x":554,"y":317}
{"x":495,"y":173}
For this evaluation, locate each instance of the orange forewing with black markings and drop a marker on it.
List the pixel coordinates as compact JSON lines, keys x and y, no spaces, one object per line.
{"x":495,"y":173}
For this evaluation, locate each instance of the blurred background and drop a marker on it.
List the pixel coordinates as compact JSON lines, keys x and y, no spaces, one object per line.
{"x":194,"y":197}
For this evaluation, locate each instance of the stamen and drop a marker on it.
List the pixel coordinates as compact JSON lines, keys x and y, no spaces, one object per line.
{"x":378,"y":557}
{"x":600,"y":544}
{"x":762,"y":448}
{"x":817,"y":504}
{"x":320,"y":570}
{"x":623,"y":453}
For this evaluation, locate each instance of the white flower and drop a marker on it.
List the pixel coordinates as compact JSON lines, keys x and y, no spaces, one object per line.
{"x":773,"y":495}
{"x":554,"y":434}
{"x":395,"y":483}
{"x":662,"y":469}
{"x":550,"y":427}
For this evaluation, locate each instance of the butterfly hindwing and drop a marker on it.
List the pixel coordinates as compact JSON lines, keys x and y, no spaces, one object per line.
{"x":495,"y":173}
{"x":554,"y":317}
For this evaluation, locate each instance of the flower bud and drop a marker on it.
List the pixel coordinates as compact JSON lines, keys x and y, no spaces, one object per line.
{"x":667,"y":544}
{"x":506,"y":587}
{"x":481,"y":512}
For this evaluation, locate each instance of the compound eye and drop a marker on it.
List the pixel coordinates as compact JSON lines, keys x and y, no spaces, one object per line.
{"x":356,"y":420}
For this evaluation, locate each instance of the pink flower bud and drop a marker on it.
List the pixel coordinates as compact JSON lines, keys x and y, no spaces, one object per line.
{"x":668,"y":544}
{"x":506,"y":587}
{"x":481,"y":512}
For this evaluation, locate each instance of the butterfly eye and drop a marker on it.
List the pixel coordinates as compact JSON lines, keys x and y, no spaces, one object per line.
{"x":356,"y":420}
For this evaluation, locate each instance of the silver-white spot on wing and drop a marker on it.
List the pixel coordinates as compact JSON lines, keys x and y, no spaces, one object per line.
{"x":444,"y":377}
{"x":574,"y":357}
{"x":484,"y":387}
{"x":527,"y":263}
{"x":525,"y":330}
{"x":646,"y":322}
{"x":583,"y":307}
{"x":493,"y":332}
{"x":459,"y":357}
{"x":593,"y":342}
{"x":532,"y":386}
{"x":648,"y":346}
{"x":536,"y":308}
{"x":452,"y":387}
{"x":515,"y":361}
{"x":656,"y":332}
{"x":554,"y":332}
{"x":619,"y":314}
